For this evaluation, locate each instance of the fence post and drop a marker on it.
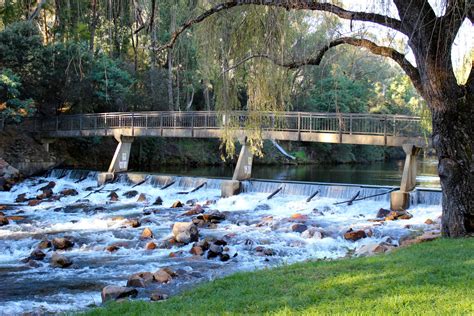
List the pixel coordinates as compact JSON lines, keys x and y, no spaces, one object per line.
{"x":350,"y":124}
{"x":385,"y":130}
{"x":133,"y":123}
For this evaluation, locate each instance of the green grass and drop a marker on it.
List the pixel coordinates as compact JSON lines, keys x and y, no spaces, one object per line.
{"x":430,"y":278}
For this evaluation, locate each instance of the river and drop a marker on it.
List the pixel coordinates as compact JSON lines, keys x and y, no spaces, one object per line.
{"x":375,"y":173}
{"x":259,"y":232}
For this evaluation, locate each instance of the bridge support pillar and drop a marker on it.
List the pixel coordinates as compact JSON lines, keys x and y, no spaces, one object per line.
{"x":122,"y":154}
{"x":400,"y":200}
{"x":46,"y":142}
{"x":243,"y":171}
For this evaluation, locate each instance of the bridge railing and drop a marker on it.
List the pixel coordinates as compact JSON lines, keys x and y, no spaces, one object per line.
{"x":342,"y":123}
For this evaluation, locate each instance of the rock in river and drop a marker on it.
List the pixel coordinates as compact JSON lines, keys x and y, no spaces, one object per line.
{"x":185,"y":232}
{"x":299,"y":228}
{"x":113,"y":292}
{"x":162,"y":276}
{"x":60,"y":261}
{"x":354,"y":234}
{"x":147,"y":233}
{"x":157,"y":296}
{"x":3,"y":221}
{"x":62,"y":243}
{"x":37,"y":254}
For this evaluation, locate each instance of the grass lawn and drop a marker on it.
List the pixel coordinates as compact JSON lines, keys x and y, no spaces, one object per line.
{"x":430,"y":278}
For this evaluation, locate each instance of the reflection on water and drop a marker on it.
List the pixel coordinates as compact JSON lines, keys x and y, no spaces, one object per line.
{"x":377,"y":173}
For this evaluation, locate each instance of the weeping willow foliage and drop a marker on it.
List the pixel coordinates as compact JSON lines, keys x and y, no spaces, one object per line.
{"x":257,"y":86}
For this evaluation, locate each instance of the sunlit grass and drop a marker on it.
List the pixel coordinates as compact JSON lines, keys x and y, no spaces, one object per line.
{"x":431,"y":278}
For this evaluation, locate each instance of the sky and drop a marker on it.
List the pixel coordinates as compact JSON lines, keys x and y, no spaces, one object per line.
{"x":463,"y":45}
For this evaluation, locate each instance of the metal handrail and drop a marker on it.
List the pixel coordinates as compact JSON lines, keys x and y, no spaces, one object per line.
{"x":342,"y":123}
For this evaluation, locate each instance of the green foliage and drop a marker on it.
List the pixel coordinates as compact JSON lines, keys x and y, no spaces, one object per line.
{"x":11,"y":107}
{"x":429,"y":278}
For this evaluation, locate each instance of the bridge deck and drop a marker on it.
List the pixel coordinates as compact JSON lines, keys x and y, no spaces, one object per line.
{"x":345,"y":128}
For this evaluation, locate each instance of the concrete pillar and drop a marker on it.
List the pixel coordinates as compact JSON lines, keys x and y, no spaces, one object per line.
{"x":243,"y":169}
{"x":46,"y":142}
{"x":122,"y":154}
{"x":104,"y":177}
{"x":400,"y":200}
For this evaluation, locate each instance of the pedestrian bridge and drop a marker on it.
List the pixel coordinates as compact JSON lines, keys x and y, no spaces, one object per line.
{"x":342,"y":128}
{"x":336,"y":128}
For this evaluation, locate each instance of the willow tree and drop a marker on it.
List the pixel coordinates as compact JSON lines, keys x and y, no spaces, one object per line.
{"x":430,"y":37}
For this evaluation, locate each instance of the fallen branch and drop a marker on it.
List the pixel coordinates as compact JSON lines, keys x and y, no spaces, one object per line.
{"x":349,"y":202}
{"x":140,"y":183}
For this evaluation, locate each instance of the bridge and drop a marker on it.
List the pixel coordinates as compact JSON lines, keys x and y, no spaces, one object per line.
{"x":336,"y":128}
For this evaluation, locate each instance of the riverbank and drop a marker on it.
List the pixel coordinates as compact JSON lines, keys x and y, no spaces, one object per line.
{"x":428,"y":278}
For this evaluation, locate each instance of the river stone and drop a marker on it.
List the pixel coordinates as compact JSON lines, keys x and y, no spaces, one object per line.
{"x":214,"y":251}
{"x":157,"y":296}
{"x":354,"y":235}
{"x":113,"y":292}
{"x":60,"y":261}
{"x":147,"y":233}
{"x":4,"y":221}
{"x":142,"y":198}
{"x":21,"y":198}
{"x":130,"y":194}
{"x":47,"y":193}
{"x":382,"y":213}
{"x":371,"y":249}
{"x":177,"y":204}
{"x":112,"y":248}
{"x":33,"y":202}
{"x":150,"y":246}
{"x":197,"y":251}
{"x":62,"y":243}
{"x":185,"y":232}
{"x":49,"y":186}
{"x":213,"y":217}
{"x":158,"y":201}
{"x":312,"y":232}
{"x":299,"y":228}
{"x":69,"y":192}
{"x":141,"y":279}
{"x":44,"y":244}
{"x":113,"y":197}
{"x":395,"y":215}
{"x":37,"y":254}
{"x":161,"y":276}
{"x":429,"y":221}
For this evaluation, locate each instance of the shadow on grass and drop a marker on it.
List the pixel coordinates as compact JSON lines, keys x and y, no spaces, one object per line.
{"x":434,"y":277}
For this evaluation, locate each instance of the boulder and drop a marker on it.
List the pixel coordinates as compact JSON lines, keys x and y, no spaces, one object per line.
{"x":224,"y":257}
{"x":212,"y":217}
{"x":147,"y":233}
{"x":197,"y":209}
{"x":37,"y":254}
{"x":34,"y":202}
{"x":262,"y":251}
{"x":69,"y":192}
{"x":204,"y":244}
{"x":60,"y":261}
{"x":354,"y":234}
{"x":197,"y":251}
{"x":62,"y":243}
{"x":130,"y":194}
{"x":162,"y":276}
{"x":133,"y":223}
{"x":47,"y":193}
{"x":157,"y":296}
{"x":299,"y":228}
{"x":297,"y":217}
{"x":141,"y":279}
{"x":113,"y":292}
{"x":158,"y":201}
{"x":112,"y":248}
{"x":429,"y":221}
{"x":185,"y":232}
{"x":142,"y":198}
{"x":214,"y":251}
{"x":4,"y":221}
{"x":382,"y":213}
{"x":427,"y":236}
{"x":396,"y":215}
{"x":49,"y":186}
{"x":177,"y":204}
{"x":150,"y":246}
{"x":113,"y":197}
{"x":312,"y":232}
{"x":21,"y":198}
{"x":44,"y":244}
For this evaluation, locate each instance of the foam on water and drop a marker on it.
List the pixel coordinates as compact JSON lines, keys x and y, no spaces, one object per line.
{"x":91,"y":220}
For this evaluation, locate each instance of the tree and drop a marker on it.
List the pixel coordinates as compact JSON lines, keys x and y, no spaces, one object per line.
{"x":430,"y":38}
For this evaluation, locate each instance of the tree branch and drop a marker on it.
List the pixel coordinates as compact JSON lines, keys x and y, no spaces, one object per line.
{"x":384,"y":51}
{"x":37,"y":10}
{"x":290,"y":5}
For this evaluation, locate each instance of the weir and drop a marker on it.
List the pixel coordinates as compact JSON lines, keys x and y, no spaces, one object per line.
{"x":326,"y":190}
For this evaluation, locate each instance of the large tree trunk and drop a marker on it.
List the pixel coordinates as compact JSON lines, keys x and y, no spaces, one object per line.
{"x":453,"y":141}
